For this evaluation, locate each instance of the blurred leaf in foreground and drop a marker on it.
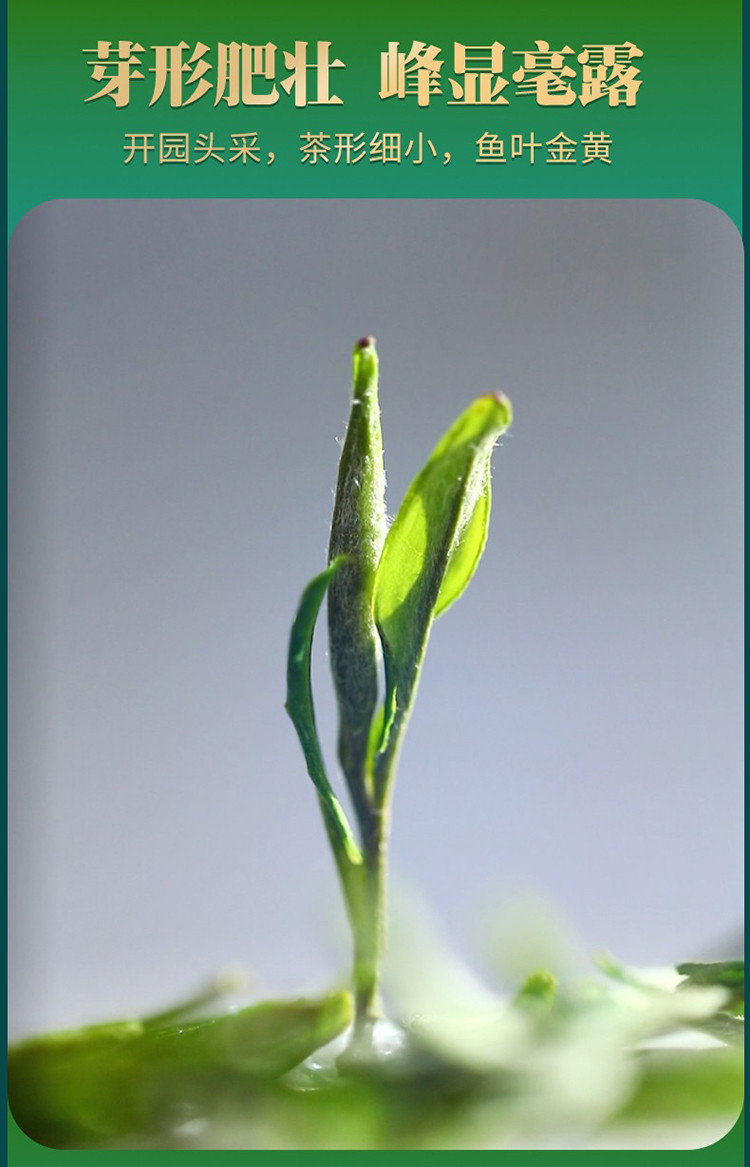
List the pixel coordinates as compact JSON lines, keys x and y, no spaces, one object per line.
{"x":729,"y":974}
{"x":102,"y":1083}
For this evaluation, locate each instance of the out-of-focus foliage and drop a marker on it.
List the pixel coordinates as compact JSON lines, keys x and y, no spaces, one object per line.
{"x":613,"y":1057}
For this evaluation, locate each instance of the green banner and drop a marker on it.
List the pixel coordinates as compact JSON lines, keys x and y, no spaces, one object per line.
{"x":137,"y":100}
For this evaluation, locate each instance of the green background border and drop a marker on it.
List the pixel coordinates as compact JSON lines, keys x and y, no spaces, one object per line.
{"x":681,"y":140}
{"x":727,"y":1151}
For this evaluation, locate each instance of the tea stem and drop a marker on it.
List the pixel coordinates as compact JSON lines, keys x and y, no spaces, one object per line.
{"x":369,"y":921}
{"x":367,"y":893}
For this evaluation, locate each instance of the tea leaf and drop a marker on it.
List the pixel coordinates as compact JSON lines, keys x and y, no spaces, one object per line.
{"x":468,"y":549}
{"x":729,"y":973}
{"x":435,"y":543}
{"x":537,"y":991}
{"x":86,"y":1086}
{"x":357,"y":531}
{"x":300,"y":707}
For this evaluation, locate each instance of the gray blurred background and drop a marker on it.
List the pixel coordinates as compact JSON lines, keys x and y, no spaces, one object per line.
{"x":180,"y":373}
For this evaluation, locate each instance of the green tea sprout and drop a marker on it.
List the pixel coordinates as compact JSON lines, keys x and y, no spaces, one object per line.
{"x":385,"y":587}
{"x":556,"y":1061}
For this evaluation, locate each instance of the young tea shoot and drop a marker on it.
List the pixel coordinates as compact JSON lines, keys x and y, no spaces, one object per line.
{"x":557,"y":1061}
{"x":385,"y":587}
